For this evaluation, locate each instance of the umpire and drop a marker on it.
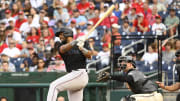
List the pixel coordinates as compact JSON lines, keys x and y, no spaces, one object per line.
{"x":143,"y":88}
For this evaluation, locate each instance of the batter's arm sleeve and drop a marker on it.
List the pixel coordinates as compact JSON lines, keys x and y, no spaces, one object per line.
{"x":66,"y":47}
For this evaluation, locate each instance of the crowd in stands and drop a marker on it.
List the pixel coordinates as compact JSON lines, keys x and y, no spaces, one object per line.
{"x":28,"y":27}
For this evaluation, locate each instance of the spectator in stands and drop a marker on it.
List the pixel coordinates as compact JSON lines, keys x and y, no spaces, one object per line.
{"x":33,"y":35}
{"x":35,"y":16}
{"x":3,"y":7}
{"x":126,"y":28}
{"x":132,"y":15}
{"x":104,"y":55}
{"x":80,"y":20}
{"x":106,"y":38}
{"x":160,"y":7}
{"x":2,"y":37}
{"x":83,"y":6}
{"x":20,"y":20}
{"x":96,"y":18}
{"x":127,"y":9}
{"x":11,"y":50}
{"x":108,"y":21}
{"x":172,"y":22}
{"x":59,"y":14}
{"x":6,"y":65}
{"x":57,"y":65}
{"x":89,"y":26}
{"x":24,"y":52}
{"x":177,"y":45}
{"x":60,"y":98}
{"x":41,"y":66}
{"x":73,"y":26}
{"x":8,"y":16}
{"x":34,"y":64}
{"x":115,"y":32}
{"x":146,"y":10}
{"x":37,"y":3}
{"x":151,"y":16}
{"x":27,"y":7}
{"x":141,"y":24}
{"x":15,"y":34}
{"x":43,"y":16}
{"x":117,"y":11}
{"x":3,"y":99}
{"x":46,"y":36}
{"x":158,"y":27}
{"x":92,"y":46}
{"x":168,"y":55}
{"x":90,"y":13}
{"x":151,"y":55}
{"x":26,"y":27}
{"x":41,"y":45}
{"x":45,"y":27}
{"x":15,"y":10}
{"x":79,"y":33}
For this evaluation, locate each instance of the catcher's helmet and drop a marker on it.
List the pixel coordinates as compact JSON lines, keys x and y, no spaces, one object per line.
{"x":128,"y":59}
{"x":65,"y":31}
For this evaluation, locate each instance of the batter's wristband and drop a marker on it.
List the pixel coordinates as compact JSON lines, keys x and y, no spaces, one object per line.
{"x":73,"y":43}
{"x":84,"y":50}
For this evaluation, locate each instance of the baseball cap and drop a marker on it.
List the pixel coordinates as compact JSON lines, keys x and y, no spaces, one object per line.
{"x":140,"y":14}
{"x":91,"y":7}
{"x":20,"y":13}
{"x":73,"y":21}
{"x":76,"y":10}
{"x":115,"y":26}
{"x":89,"y":23}
{"x":29,"y":41}
{"x":105,"y":45}
{"x":157,"y":16}
{"x":8,"y":11}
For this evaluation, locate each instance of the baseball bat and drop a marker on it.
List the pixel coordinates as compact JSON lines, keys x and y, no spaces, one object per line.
{"x":100,"y":20}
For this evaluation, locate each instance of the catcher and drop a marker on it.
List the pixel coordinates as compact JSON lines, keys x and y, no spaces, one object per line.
{"x":143,"y":89}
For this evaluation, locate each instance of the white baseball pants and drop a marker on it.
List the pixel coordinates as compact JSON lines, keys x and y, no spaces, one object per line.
{"x":74,"y":82}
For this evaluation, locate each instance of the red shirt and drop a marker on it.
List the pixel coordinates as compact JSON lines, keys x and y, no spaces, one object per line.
{"x":94,"y":20}
{"x":144,"y":23}
{"x":18,"y":23}
{"x":118,"y":41}
{"x":35,"y":38}
{"x":106,"y":22}
{"x":149,"y":11}
{"x":138,"y":6}
{"x":83,"y":7}
{"x":151,"y":19}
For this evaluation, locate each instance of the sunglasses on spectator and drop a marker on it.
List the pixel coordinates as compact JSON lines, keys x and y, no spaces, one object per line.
{"x":40,"y":62}
{"x":9,"y":36}
{"x":11,"y":43}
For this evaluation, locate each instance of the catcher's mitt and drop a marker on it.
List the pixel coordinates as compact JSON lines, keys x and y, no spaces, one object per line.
{"x":103,"y":77}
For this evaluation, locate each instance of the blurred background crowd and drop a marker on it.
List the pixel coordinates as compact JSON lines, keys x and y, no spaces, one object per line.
{"x":28,"y":27}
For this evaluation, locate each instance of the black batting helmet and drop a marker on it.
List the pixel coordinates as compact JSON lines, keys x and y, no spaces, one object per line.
{"x":128,"y":59}
{"x":67,"y":32}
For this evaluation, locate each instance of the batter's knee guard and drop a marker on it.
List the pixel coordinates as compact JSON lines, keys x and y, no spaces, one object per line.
{"x":128,"y":98}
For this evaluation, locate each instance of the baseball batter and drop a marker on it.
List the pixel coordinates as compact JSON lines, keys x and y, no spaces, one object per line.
{"x":74,"y":54}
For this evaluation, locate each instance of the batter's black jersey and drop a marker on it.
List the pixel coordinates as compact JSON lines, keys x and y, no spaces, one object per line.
{"x":137,"y":81}
{"x":74,"y":58}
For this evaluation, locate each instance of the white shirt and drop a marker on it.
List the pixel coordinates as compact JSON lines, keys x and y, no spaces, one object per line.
{"x":11,"y":52}
{"x":16,"y":36}
{"x":9,"y":19}
{"x":104,"y":56}
{"x":158,"y":28}
{"x":37,"y":3}
{"x":26,"y":27}
{"x":93,"y":34}
{"x":150,"y":57}
{"x":65,"y":2}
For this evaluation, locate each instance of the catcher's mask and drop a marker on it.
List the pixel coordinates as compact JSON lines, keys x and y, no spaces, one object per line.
{"x":122,"y":60}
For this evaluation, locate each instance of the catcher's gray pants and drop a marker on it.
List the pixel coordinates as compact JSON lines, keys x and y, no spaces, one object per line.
{"x":74,"y":82}
{"x":145,"y":97}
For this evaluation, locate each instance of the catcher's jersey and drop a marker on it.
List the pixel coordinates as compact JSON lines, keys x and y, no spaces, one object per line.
{"x":74,"y":58}
{"x":137,"y":81}
{"x":140,"y":83}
